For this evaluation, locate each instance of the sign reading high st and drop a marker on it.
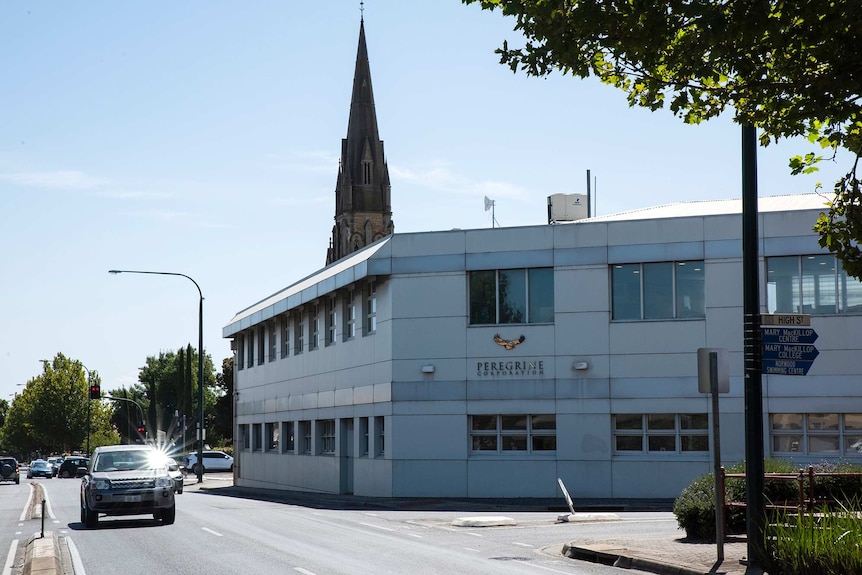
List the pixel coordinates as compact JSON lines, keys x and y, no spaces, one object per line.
{"x":788,"y":350}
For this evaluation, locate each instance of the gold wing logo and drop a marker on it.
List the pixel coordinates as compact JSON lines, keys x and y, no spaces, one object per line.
{"x":509,"y":344}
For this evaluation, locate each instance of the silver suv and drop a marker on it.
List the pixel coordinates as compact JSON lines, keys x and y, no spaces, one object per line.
{"x":127,"y":480}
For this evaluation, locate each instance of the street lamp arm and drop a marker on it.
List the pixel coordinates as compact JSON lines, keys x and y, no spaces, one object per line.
{"x":115,"y":272}
{"x":140,"y":409}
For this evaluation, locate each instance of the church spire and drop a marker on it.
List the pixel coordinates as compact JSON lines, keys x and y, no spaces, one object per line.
{"x":363,"y":212}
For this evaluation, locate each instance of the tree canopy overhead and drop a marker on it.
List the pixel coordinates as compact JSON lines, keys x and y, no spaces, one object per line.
{"x":790,"y":68}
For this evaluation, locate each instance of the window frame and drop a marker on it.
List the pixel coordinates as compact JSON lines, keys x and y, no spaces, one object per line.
{"x":518,"y":305}
{"x":848,"y":438}
{"x":659,"y":433}
{"x":643,"y":306}
{"x":503,"y":435}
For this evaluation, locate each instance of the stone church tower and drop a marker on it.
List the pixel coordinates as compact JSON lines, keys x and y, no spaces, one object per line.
{"x":363,"y":210}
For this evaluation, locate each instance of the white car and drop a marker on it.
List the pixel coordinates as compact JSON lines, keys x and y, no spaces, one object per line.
{"x":213,"y":461}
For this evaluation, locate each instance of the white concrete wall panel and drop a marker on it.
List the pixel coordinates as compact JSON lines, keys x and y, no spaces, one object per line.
{"x":585,"y":479}
{"x":639,"y":478}
{"x":428,"y":436}
{"x":426,"y":478}
{"x":582,"y":289}
{"x":514,"y":477}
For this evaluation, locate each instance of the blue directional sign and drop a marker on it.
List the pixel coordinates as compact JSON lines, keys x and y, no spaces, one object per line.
{"x":785,"y":367}
{"x":788,"y":335}
{"x":788,"y":350}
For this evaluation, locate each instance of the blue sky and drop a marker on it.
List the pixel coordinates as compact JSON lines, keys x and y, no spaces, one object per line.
{"x":202,"y":137}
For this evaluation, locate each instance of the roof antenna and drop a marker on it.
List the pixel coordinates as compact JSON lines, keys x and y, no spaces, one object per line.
{"x":362,"y":11}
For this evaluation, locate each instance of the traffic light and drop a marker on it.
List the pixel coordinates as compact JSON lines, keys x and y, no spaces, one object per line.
{"x":95,"y":391}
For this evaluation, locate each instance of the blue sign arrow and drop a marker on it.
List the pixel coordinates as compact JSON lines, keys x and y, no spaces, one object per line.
{"x":790,"y":351}
{"x":785,"y":367}
{"x":788,"y":335}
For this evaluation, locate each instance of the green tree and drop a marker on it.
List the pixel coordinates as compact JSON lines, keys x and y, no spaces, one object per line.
{"x":222,"y":424}
{"x":788,"y":68}
{"x":50,"y":414}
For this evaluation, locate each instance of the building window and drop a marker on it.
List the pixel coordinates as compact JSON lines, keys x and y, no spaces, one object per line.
{"x":366,"y":172}
{"x":660,"y":433}
{"x":314,"y":327}
{"x":272,"y":436}
{"x":659,"y":290}
{"x":379,"y":436}
{"x":289,"y":441}
{"x":350,"y":315}
{"x":363,"y":436}
{"x":811,"y":284}
{"x":285,"y":335}
{"x":273,"y":331}
{"x":508,"y":433}
{"x":327,"y":436}
{"x":250,"y":348}
{"x":256,"y":437}
{"x":298,"y":332}
{"x":305,"y":430}
{"x":512,"y":296}
{"x":240,"y":351}
{"x":244,"y":437}
{"x":331,"y":320}
{"x":261,"y":344}
{"x":826,"y":434}
{"x":371,"y":309}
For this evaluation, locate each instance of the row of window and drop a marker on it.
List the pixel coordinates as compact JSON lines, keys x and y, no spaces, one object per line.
{"x":838,"y":434}
{"x":811,"y":284}
{"x":306,"y":328}
{"x":311,"y":437}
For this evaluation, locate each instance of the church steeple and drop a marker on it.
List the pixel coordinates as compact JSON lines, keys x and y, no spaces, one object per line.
{"x":363,"y":212}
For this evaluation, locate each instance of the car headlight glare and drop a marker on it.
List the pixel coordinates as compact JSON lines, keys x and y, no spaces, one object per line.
{"x":101,"y":484}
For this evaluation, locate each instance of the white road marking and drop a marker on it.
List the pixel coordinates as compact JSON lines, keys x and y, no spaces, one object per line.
{"x":208,"y":530}
{"x":10,"y":557}
{"x":27,"y":505}
{"x":304,"y":571}
{"x":471,"y":549}
{"x":473,"y":534}
{"x":376,"y":526}
{"x":77,"y":564}
{"x":47,"y":503}
{"x":414,"y":535}
{"x":523,"y":545}
{"x":541,"y":567}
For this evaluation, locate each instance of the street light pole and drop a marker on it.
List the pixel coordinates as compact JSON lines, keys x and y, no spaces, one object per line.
{"x":201,"y":430}
{"x":89,"y":400}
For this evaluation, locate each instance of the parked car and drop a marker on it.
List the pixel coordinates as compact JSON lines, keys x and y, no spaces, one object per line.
{"x":213,"y":461}
{"x":73,"y":467}
{"x":55,"y":464}
{"x":9,"y":470}
{"x":175,"y":473}
{"x":127,"y":480}
{"x":40,"y":468}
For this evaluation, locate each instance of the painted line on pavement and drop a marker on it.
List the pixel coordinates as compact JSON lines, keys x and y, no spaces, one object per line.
{"x":27,"y":505}
{"x":471,"y":549}
{"x":376,"y":526}
{"x":10,"y":557}
{"x":48,"y":503}
{"x":543,"y":567}
{"x":77,"y":564}
{"x":416,"y":536}
{"x":304,"y":571}
{"x":208,"y":530}
{"x":527,"y":545}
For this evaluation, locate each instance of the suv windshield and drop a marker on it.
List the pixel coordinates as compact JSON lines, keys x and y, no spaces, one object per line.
{"x":128,"y":461}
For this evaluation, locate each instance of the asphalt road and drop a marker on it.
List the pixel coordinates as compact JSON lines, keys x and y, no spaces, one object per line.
{"x":218,"y":534}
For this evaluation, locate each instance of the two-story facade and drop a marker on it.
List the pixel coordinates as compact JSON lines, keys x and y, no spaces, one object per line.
{"x":490,"y":362}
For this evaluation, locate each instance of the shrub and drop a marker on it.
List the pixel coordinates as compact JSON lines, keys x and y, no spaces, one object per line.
{"x":695,"y":509}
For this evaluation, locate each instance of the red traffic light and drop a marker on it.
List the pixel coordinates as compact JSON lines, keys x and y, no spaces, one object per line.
{"x":95,"y":391}
{"x":142,"y":429}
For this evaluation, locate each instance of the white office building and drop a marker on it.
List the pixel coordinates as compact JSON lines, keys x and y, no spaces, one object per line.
{"x":490,"y":362}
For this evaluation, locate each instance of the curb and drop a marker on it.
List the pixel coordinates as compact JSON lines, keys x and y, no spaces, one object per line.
{"x":613,"y":558}
{"x":42,"y":556}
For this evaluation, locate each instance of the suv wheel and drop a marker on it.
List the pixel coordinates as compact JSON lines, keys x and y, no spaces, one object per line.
{"x":89,"y":518}
{"x":198,"y":469}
